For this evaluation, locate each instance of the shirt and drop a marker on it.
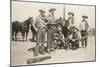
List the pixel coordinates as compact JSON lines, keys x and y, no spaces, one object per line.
{"x":84,"y":25}
{"x":51,"y":21}
{"x":51,"y":18}
{"x":71,"y":21}
{"x":39,"y":22}
{"x":76,"y":36}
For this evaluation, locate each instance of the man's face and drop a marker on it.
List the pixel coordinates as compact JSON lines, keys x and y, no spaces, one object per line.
{"x":84,"y":18}
{"x":75,"y":30}
{"x":70,"y":15}
{"x":42,"y":14}
{"x":60,"y":32}
{"x":53,"y":12}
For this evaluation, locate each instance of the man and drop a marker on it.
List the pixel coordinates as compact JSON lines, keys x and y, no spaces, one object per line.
{"x":84,"y":30}
{"x":41,"y":30}
{"x":74,"y":38}
{"x":59,"y":39}
{"x":71,"y":19}
{"x":51,"y":30}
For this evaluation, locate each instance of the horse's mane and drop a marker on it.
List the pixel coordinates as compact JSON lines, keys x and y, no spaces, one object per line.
{"x":15,"y":21}
{"x":25,"y":22}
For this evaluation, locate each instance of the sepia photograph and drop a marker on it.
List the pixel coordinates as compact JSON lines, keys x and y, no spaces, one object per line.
{"x":52,"y":33}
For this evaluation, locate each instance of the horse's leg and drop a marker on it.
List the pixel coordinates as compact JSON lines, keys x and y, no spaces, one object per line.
{"x":16,"y":36}
{"x":34,"y":34}
{"x":23,"y":36}
{"x":26,"y":35}
{"x":12,"y":35}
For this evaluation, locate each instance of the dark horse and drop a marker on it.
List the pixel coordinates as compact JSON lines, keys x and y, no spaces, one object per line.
{"x":57,"y":21}
{"x":33,"y":33}
{"x":65,"y":29}
{"x":66,"y":32}
{"x":22,"y":27}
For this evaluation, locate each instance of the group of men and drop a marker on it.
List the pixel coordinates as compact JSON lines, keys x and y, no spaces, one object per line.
{"x":45,"y":24}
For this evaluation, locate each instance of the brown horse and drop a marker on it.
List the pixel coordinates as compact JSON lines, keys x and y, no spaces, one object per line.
{"x":58,"y":23}
{"x":33,"y":33}
{"x":22,"y":27}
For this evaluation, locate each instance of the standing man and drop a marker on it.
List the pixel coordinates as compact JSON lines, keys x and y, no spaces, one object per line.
{"x":41,"y":30}
{"x":71,"y":19}
{"x":51,"y":30}
{"x":84,"y":30}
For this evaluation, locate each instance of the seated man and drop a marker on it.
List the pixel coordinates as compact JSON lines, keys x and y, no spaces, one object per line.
{"x":59,"y":40}
{"x":74,"y":38}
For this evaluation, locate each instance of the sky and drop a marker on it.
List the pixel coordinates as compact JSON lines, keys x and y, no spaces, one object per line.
{"x":22,"y":10}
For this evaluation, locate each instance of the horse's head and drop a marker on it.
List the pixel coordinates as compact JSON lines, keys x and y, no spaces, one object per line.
{"x":60,"y":21}
{"x":30,"y":20}
{"x":66,"y":23}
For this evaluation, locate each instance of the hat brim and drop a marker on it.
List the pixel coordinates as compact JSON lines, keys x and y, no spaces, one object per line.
{"x":77,"y":29}
{"x":70,"y":13}
{"x":53,"y":9}
{"x":74,"y":28}
{"x":41,"y":11}
{"x":84,"y":16}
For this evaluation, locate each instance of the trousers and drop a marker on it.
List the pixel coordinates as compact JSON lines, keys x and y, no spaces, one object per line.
{"x":84,"y":41}
{"x":50,"y":37}
{"x":40,"y":40}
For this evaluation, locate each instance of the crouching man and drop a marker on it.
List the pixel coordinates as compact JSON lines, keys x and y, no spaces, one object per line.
{"x":74,"y":39}
{"x":59,"y":40}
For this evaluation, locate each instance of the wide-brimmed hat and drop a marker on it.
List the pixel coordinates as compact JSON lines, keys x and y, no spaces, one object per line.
{"x":74,"y":28}
{"x":52,"y":9}
{"x":42,"y":11}
{"x":84,"y":16}
{"x":71,"y":13}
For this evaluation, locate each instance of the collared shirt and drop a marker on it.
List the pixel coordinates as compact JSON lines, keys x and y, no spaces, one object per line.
{"x":51,"y":18}
{"x":39,"y":22}
{"x":84,"y":25}
{"x":51,"y":21}
{"x":71,"y":21}
{"x":77,"y":36}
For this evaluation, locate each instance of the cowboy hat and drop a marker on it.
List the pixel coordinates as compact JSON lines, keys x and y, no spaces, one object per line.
{"x":42,"y":11}
{"x":52,"y":9}
{"x":84,"y":16}
{"x":74,"y":28}
{"x":71,"y":13}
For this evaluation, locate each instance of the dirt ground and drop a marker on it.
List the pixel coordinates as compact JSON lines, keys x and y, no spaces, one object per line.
{"x":20,"y":53}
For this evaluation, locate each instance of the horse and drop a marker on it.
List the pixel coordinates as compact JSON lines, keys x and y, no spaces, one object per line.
{"x":57,"y":21}
{"x":65,"y":29}
{"x":33,"y":33}
{"x":63,"y":24}
{"x":22,"y":27}
{"x":66,"y":32}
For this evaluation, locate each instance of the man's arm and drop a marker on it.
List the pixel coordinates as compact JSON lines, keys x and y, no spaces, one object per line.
{"x":80,"y":26}
{"x":87,"y":25}
{"x":35,"y":24}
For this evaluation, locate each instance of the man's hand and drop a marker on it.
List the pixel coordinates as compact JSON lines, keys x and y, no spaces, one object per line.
{"x":36,"y":29}
{"x":73,"y":40}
